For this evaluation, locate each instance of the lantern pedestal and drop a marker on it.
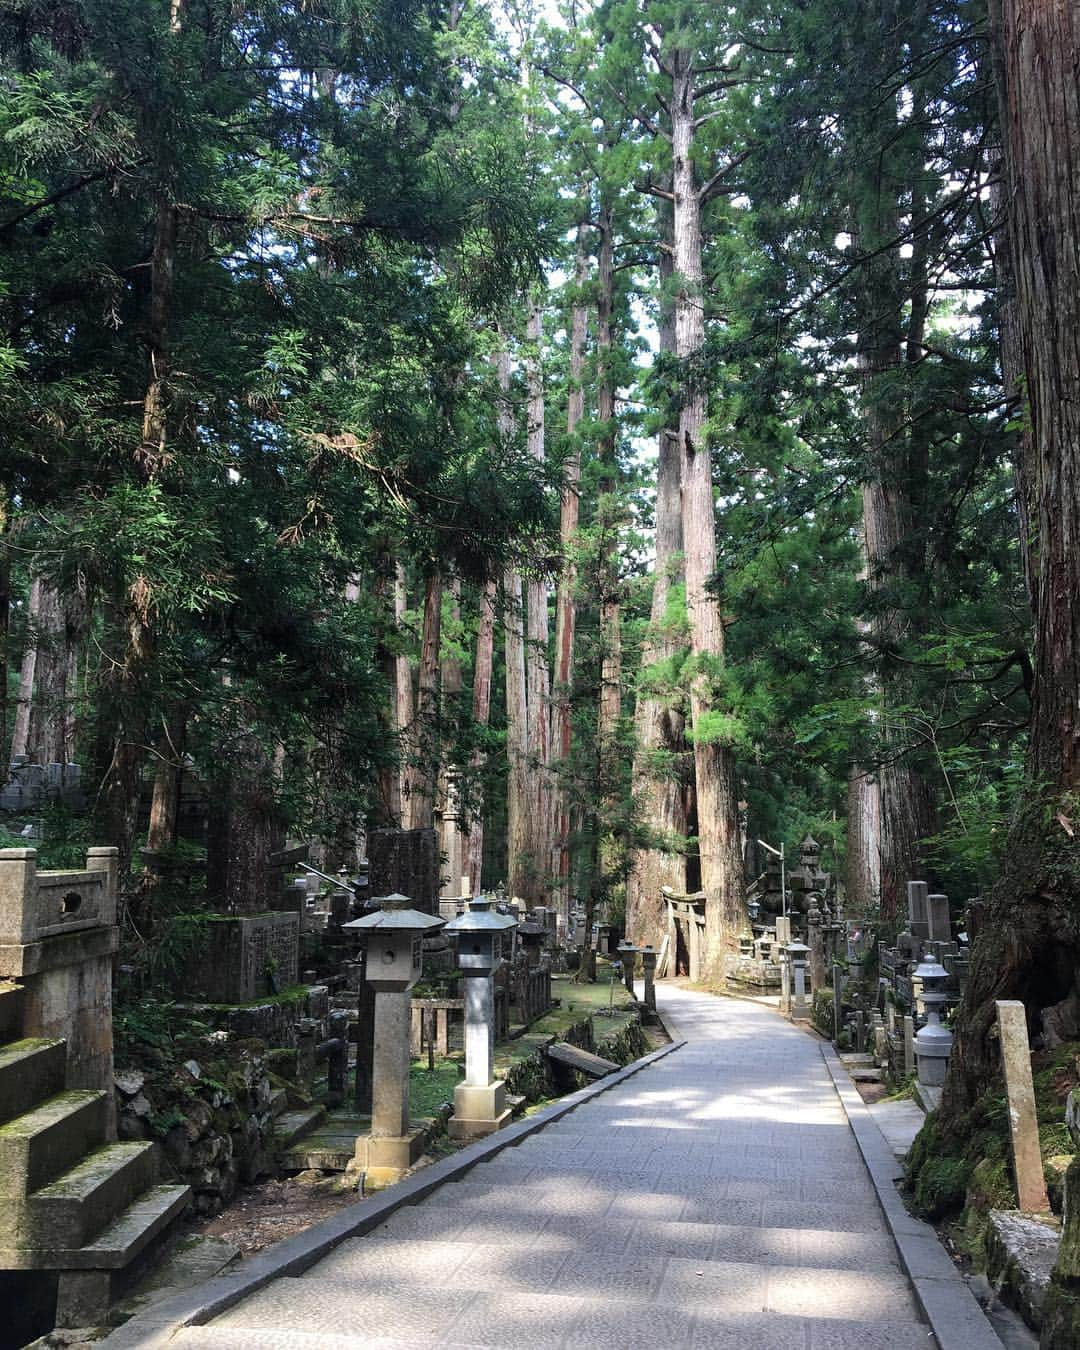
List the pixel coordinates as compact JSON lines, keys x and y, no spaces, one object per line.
{"x":384,"y":1160}
{"x":478,"y":1110}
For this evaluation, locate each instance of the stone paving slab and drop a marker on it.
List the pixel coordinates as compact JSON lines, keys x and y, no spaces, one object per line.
{"x":716,"y":1200}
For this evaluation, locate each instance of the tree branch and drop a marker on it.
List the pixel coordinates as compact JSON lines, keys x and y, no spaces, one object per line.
{"x":716,"y":183}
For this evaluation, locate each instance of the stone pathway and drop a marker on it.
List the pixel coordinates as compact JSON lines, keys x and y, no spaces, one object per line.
{"x":716,"y":1200}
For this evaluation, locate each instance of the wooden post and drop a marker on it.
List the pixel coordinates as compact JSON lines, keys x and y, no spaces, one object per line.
{"x":1023,"y":1122}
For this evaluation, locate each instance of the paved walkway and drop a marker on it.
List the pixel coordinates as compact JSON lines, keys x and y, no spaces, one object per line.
{"x":716,"y":1200}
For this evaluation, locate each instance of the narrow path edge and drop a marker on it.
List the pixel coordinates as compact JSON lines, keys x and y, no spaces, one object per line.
{"x":953,"y":1312}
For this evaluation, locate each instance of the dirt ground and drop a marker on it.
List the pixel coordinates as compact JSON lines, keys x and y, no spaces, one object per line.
{"x":272,"y":1210}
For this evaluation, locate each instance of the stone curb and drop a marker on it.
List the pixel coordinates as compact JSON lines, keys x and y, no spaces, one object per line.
{"x":957,"y":1320}
{"x":292,"y":1256}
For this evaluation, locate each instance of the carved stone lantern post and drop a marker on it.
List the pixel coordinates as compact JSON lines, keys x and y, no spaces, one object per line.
{"x":395,"y":935}
{"x":480,"y":1102}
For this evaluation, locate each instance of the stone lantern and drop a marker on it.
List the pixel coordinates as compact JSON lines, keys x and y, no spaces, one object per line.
{"x":627,"y":954}
{"x":531,"y":935}
{"x":480,"y":1102}
{"x":934,"y":1042}
{"x":797,"y":953}
{"x":395,"y":938}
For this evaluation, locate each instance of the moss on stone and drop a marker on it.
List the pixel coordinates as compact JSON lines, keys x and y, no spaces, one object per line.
{"x":941,"y":1187}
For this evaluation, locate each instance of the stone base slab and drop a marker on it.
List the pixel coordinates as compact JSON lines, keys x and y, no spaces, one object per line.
{"x":478,"y":1110}
{"x":461,"y":1127}
{"x":385,"y":1158}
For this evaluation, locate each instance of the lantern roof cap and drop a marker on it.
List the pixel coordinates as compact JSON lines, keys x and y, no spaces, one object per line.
{"x":480,"y":918}
{"x":391,"y":919}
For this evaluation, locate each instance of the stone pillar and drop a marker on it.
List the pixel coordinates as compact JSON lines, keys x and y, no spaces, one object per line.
{"x":390,"y":1093}
{"x":57,"y":938}
{"x":693,"y":942}
{"x":837,"y":998}
{"x":648,"y":962}
{"x":800,"y":1004}
{"x":479,"y":1030}
{"x":627,"y":954}
{"x":305,"y":1053}
{"x":909,"y":1045}
{"x":1023,"y":1121}
{"x":917,"y":915}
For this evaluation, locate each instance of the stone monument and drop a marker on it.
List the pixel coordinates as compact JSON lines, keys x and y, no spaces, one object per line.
{"x":405,"y":862}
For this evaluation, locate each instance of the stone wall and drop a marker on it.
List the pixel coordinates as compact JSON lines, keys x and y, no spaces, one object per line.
{"x":213,"y":1118}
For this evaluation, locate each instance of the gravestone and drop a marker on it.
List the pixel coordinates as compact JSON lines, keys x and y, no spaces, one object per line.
{"x":1023,"y":1120}
{"x":405,"y":862}
{"x":937,"y":912}
{"x":917,"y":916}
{"x":244,"y":957}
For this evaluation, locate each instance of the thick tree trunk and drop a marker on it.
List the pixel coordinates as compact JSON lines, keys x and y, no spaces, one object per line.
{"x":49,"y":721}
{"x":20,"y":737}
{"x":659,"y":720}
{"x":165,"y":804}
{"x":424,"y":749}
{"x":452,"y":836}
{"x":403,"y":696}
{"x":610,"y":852}
{"x":893,"y":491}
{"x":862,"y":882}
{"x":481,"y":714}
{"x":5,"y":615}
{"x":519,"y":865}
{"x":518,"y":798}
{"x":610,"y":708}
{"x":714,"y":764}
{"x":1028,"y":939}
{"x":565,"y":605}
{"x":386,"y":809}
{"x":537,"y":671}
{"x":119,"y":798}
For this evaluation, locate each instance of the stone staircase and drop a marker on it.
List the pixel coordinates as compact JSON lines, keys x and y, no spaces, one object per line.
{"x":71,"y":1203}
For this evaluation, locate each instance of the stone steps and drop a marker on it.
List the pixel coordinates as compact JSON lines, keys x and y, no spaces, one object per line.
{"x":73,"y":1209}
{"x":31,"y":1071}
{"x":291,"y":1126}
{"x":42,"y":1143}
{"x":11,"y":997}
{"x":92,"y":1276}
{"x":125,"y":1238}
